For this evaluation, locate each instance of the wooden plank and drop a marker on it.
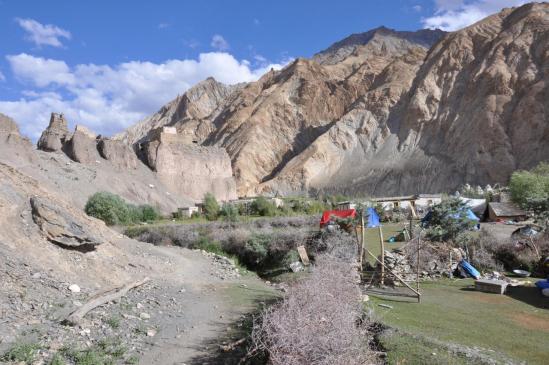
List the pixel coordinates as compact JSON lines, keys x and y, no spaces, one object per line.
{"x":303,"y":255}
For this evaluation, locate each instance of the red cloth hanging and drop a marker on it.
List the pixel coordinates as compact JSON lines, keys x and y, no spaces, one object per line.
{"x":348,"y":213}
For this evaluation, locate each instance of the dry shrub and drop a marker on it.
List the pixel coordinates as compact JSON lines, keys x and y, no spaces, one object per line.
{"x":482,"y":251}
{"x":434,"y":257}
{"x":338,"y":244}
{"x":258,"y":243}
{"x":318,"y":322}
{"x":525,"y":254}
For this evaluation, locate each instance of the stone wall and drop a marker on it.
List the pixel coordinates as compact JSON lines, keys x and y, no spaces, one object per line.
{"x":190,"y":169}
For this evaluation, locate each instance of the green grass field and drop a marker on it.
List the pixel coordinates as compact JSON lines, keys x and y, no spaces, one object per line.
{"x":451,"y":313}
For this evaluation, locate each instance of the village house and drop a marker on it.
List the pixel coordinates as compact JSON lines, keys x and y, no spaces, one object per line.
{"x":400,"y":202}
{"x":501,"y":212}
{"x":346,"y":205}
{"x":427,"y":200}
{"x":187,"y":212}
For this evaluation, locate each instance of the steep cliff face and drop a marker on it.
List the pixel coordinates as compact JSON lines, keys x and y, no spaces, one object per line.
{"x":481,"y":99}
{"x":191,"y":113}
{"x":388,"y":112}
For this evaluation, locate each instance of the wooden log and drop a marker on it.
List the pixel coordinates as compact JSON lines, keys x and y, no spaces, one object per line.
{"x":362,"y":242}
{"x":99,"y":299}
{"x":382,"y":255}
{"x":418,"y":265}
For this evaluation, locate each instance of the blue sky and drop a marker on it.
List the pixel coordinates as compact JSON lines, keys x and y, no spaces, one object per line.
{"x":107,"y":64}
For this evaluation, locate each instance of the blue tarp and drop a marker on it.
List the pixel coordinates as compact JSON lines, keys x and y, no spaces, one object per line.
{"x":542,"y":284}
{"x":469,"y":214}
{"x":472,"y":215}
{"x":469,"y":269}
{"x":372,"y":219}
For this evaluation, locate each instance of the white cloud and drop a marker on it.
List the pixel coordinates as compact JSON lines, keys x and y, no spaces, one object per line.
{"x":417,"y":8}
{"x":2,"y":77}
{"x":43,"y":34}
{"x":452,"y":15}
{"x":219,"y":43}
{"x":40,"y":71}
{"x":163,"y":25}
{"x":110,"y":98}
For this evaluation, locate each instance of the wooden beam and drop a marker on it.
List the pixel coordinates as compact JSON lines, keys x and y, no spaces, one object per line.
{"x":391,"y":271}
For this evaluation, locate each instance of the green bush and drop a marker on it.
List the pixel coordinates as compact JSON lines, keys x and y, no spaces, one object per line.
{"x":112,"y":209}
{"x":257,"y":249}
{"x":263,"y":207}
{"x":209,"y":245}
{"x":211,"y":207}
{"x":229,"y":212}
{"x":299,"y":206}
{"x":316,"y":207}
{"x":21,"y":352}
{"x":290,"y":257}
{"x":108,"y":207}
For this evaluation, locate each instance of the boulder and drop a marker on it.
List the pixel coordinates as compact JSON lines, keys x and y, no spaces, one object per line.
{"x":53,"y":138}
{"x":118,"y":153}
{"x":82,"y":147}
{"x":62,"y":227}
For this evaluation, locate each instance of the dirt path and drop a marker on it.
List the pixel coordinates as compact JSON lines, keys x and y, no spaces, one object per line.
{"x":197,"y":309}
{"x":193,"y":303}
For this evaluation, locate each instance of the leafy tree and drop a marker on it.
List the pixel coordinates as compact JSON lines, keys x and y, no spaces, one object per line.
{"x":448,"y":220}
{"x":211,"y":207}
{"x":263,"y":207}
{"x":530,"y":190}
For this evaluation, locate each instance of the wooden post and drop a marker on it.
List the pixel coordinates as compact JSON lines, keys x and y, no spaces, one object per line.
{"x":411,"y":229}
{"x":417,"y":271}
{"x":382,"y":255}
{"x":362,"y":242}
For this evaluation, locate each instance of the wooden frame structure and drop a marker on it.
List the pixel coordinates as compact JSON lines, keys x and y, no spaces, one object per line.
{"x":363,"y":251}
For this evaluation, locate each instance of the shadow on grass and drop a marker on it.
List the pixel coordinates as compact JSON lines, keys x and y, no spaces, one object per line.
{"x":526,"y":294}
{"x":530,"y":295}
{"x":228,"y":348}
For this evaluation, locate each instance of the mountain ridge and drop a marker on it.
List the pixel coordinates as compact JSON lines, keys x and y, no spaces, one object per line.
{"x":376,"y":117}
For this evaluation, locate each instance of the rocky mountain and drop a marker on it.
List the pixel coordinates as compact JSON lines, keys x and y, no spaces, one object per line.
{"x":383,"y":112}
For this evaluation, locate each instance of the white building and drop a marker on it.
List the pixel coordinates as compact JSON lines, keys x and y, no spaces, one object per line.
{"x":187,"y":212}
{"x":346,"y":205}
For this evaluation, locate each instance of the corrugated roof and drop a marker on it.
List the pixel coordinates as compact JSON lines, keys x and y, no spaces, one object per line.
{"x":506,"y":210}
{"x":394,"y":198}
